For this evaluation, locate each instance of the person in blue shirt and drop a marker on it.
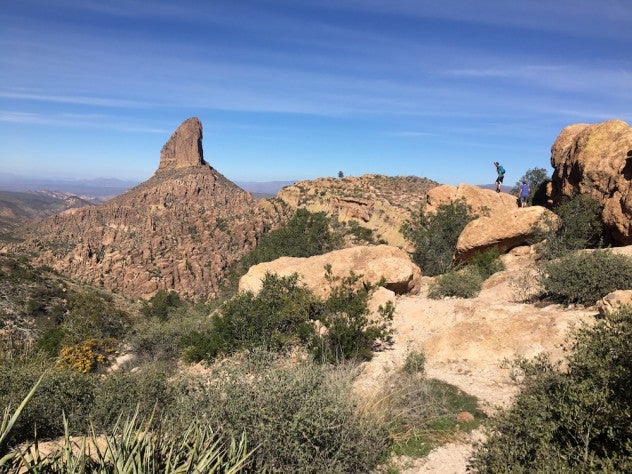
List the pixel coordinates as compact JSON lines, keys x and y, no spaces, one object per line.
{"x":524,"y":194}
{"x":501,"y":175}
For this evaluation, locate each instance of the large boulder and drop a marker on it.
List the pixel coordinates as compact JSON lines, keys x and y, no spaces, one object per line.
{"x":597,"y":160}
{"x":503,"y":231}
{"x":374,"y":263}
{"x":482,"y":201}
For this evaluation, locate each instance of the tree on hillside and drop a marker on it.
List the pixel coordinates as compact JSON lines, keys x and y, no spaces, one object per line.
{"x":536,"y":178}
{"x":341,"y":174}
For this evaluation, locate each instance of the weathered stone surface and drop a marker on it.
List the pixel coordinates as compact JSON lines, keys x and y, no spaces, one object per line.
{"x":502,"y":231}
{"x":401,"y":275}
{"x":379,"y":203}
{"x":482,"y":201}
{"x":178,"y":230}
{"x":597,"y":160}
{"x":613,"y":302}
{"x":184,"y":148}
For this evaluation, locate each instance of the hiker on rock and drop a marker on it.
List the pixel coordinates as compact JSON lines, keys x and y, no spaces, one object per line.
{"x":501,"y":175}
{"x":524,"y":194}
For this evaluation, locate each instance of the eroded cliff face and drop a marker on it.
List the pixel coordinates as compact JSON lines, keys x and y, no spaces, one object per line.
{"x":380,"y":203}
{"x":178,"y":230}
{"x":597,"y":160}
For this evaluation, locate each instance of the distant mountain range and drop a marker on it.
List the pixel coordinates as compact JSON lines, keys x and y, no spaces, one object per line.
{"x":101,"y":189}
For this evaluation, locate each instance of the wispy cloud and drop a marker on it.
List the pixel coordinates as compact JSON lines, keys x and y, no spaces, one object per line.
{"x":80,"y":100}
{"x":77,"y":121}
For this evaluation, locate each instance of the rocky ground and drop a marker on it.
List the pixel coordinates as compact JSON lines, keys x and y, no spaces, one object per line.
{"x":466,"y":341}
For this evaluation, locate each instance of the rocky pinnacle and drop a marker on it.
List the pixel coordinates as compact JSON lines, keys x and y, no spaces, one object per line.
{"x":184,"y":148}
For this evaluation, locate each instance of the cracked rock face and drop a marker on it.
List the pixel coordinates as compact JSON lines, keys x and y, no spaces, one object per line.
{"x":597,"y":160}
{"x":184,"y":148}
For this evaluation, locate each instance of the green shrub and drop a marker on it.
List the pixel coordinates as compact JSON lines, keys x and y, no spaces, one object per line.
{"x":145,"y":392}
{"x":60,"y":392}
{"x":161,"y":304}
{"x":277,"y":318}
{"x":415,"y":362}
{"x":487,"y":262}
{"x":300,"y":416}
{"x":92,"y":315}
{"x":160,"y":340}
{"x":464,"y":283}
{"x":305,"y":234}
{"x":586,"y":277}
{"x":571,"y":419}
{"x":580,"y":227}
{"x":283,"y":315}
{"x":350,"y":334}
{"x":434,"y":236}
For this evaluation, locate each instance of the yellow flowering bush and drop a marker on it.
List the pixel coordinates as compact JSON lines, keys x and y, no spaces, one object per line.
{"x":87,"y":355}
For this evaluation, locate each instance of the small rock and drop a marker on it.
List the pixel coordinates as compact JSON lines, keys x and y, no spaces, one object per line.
{"x":464,"y":417}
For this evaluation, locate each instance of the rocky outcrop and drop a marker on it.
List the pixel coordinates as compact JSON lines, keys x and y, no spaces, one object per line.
{"x":379,"y":203}
{"x":482,"y":201}
{"x":373,"y":263}
{"x":597,"y":160}
{"x":614,"y":302}
{"x":503,"y":231}
{"x":184,"y":148}
{"x":179,"y":230}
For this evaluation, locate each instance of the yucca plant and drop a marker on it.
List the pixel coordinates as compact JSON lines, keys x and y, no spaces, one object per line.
{"x":8,"y":420}
{"x":130,"y":448}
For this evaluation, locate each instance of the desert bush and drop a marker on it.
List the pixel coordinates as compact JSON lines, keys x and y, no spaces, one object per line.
{"x":305,"y":234}
{"x":156,"y":339}
{"x":283,"y":315}
{"x":300,"y":416}
{"x":573,"y":419}
{"x":585,"y":277}
{"x":350,"y":334}
{"x":161,"y":304}
{"x":92,"y":315}
{"x":277,"y":318}
{"x":145,"y":392}
{"x":580,"y":227}
{"x":60,"y":392}
{"x":86,"y":356}
{"x":434,"y":236}
{"x":463,"y":283}
{"x":415,"y":362}
{"x":487,"y":262}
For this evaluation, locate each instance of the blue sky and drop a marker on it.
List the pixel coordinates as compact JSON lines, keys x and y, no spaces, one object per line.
{"x":300,"y":89}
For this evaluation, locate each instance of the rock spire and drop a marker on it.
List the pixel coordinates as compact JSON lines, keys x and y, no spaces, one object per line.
{"x":184,"y":148}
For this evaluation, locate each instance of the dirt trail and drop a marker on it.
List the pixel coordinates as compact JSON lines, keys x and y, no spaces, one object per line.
{"x":466,"y":341}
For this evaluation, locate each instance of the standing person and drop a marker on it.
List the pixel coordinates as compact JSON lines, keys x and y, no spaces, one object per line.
{"x":501,"y":175}
{"x":524,"y":194}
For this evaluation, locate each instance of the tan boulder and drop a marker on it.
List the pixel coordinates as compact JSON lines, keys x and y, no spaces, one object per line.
{"x":503,"y":231}
{"x":482,"y":201}
{"x":392,"y":264}
{"x":597,"y":160}
{"x":614,"y":302}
